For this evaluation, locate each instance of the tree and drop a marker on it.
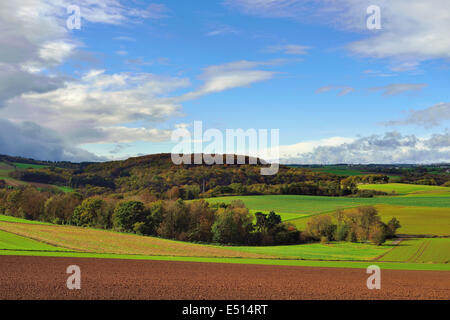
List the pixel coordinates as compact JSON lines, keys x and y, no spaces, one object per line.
{"x":321,"y":226}
{"x":377,"y":234}
{"x":232,"y":225}
{"x":391,"y":228}
{"x":88,"y":213}
{"x":127,"y":214}
{"x":201,"y":220}
{"x":176,"y":220}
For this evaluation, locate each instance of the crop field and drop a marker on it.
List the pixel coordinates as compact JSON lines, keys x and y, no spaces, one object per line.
{"x":425,"y":250}
{"x":315,"y":251}
{"x":101,"y":241}
{"x":407,"y":189}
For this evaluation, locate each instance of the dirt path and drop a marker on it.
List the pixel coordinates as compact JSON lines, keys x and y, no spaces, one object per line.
{"x":45,"y":278}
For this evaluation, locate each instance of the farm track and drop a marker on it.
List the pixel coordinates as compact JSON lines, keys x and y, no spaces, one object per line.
{"x":45,"y":278}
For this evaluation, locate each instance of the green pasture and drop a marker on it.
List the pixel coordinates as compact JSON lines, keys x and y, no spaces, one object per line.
{"x":317,"y":251}
{"x":424,"y":250}
{"x":404,"y":189}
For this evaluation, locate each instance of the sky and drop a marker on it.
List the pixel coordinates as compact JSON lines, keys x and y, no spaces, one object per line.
{"x":135,"y":71}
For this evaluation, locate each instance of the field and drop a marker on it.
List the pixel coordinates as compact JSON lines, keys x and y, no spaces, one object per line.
{"x":5,"y":169}
{"x":29,"y":166}
{"x":92,"y":243}
{"x":407,"y":189}
{"x":420,"y":209}
{"x":425,"y":250}
{"x":116,"y":265}
{"x":39,"y":278}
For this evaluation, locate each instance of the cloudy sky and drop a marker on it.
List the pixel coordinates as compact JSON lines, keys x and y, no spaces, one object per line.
{"x":136,"y":70}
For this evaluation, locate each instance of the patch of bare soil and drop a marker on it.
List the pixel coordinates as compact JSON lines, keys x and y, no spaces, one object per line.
{"x":45,"y":278}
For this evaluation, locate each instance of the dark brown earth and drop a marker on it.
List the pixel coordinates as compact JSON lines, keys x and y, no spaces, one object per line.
{"x":45,"y":278}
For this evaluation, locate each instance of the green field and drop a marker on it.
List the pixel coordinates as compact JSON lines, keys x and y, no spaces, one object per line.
{"x":19,"y":220}
{"x":316,"y":251}
{"x":29,"y":166}
{"x":420,"y":210}
{"x":9,"y":241}
{"x":339,"y":170}
{"x":425,"y":250}
{"x":406,"y":189}
{"x":11,"y":244}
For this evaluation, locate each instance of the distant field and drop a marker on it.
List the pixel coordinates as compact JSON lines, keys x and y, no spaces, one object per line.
{"x":414,"y":220}
{"x":404,"y":189}
{"x":340,"y":171}
{"x":418,"y":220}
{"x":427,"y":250}
{"x":311,"y":205}
{"x":5,"y":169}
{"x":29,"y":166}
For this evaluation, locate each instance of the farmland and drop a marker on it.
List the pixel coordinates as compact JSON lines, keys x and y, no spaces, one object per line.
{"x":6,"y":168}
{"x":424,"y":250}
{"x":421,"y":209}
{"x":61,"y":241}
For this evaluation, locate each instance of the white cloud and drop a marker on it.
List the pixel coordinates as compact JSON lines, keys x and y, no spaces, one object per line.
{"x":292,"y":49}
{"x":399,"y":88}
{"x":231,"y":75}
{"x":429,"y":117}
{"x":412,"y":30}
{"x":342,"y":90}
{"x":392,"y":147}
{"x":95,"y":108}
{"x":221,"y":30}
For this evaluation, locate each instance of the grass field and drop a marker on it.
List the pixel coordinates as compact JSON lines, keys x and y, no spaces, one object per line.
{"x":5,"y":169}
{"x":102,"y":241}
{"x":316,"y":251}
{"x":19,"y":220}
{"x":406,"y":189}
{"x":29,"y":166}
{"x":420,"y":209}
{"x":425,"y":250}
{"x":165,"y":250}
{"x":9,"y":241}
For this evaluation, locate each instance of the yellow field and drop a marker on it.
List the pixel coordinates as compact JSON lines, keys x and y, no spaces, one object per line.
{"x":101,"y":241}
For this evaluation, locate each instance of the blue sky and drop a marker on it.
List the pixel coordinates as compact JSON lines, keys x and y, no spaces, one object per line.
{"x":136,"y":70}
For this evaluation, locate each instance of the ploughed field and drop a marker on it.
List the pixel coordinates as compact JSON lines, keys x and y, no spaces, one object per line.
{"x":45,"y":278}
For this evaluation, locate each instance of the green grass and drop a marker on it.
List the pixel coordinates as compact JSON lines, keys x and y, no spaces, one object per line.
{"x":317,"y":251}
{"x":404,"y":189}
{"x":59,"y":237}
{"x":9,"y":241}
{"x":19,"y":220}
{"x":311,"y":205}
{"x":29,"y":166}
{"x":418,"y":220}
{"x":425,"y":250}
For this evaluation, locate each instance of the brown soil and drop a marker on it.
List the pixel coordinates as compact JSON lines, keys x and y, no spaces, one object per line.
{"x":45,"y":278}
